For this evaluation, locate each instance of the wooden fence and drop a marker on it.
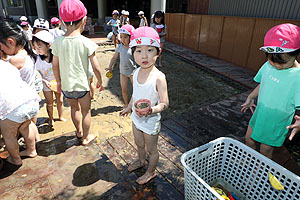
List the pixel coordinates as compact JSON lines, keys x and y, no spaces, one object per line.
{"x":234,"y":39}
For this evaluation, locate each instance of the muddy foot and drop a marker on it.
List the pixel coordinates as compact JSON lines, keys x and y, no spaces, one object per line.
{"x":145,"y":178}
{"x":62,"y":119}
{"x":88,"y":140}
{"x":135,"y":165}
{"x":14,"y":162}
{"x":28,"y":154}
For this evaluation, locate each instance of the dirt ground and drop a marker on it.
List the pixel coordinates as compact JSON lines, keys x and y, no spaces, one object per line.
{"x":188,"y":86}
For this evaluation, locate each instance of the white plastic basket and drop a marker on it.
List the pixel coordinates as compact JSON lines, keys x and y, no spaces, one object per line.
{"x":239,"y":169}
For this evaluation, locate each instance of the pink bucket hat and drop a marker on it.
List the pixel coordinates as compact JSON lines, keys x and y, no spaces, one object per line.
{"x":72,"y":10}
{"x":54,"y":20}
{"x":127,"y":29}
{"x":145,"y":35}
{"x":283,"y":38}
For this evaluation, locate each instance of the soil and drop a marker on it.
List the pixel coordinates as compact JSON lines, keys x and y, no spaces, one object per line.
{"x":188,"y":87}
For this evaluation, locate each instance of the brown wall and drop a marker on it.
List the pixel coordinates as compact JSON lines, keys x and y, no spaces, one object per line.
{"x":198,"y":6}
{"x":234,"y":39}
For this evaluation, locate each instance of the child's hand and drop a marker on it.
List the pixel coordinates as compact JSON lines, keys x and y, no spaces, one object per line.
{"x":125,"y":111}
{"x":295,"y":127}
{"x":47,"y":83}
{"x":59,"y":87}
{"x":249,"y":103}
{"x":108,"y":69}
{"x":100,"y":86}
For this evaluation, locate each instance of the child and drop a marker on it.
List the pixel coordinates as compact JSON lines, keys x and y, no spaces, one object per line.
{"x":42,"y":41}
{"x":143,"y":19}
{"x":71,"y":55}
{"x":278,"y":90}
{"x":55,"y":31}
{"x":14,"y":43}
{"x":39,"y":25}
{"x":161,"y":28}
{"x":127,"y":64}
{"x":114,"y":22}
{"x":27,"y":31}
{"x":148,"y":83}
{"x":124,"y":18}
{"x":19,"y":103}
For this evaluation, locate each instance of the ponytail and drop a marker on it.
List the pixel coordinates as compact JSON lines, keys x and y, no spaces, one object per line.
{"x":10,"y":29}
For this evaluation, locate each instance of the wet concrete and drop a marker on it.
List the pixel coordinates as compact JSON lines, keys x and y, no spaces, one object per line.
{"x":64,"y":169}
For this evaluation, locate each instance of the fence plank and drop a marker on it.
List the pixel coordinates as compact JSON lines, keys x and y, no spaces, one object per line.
{"x":256,"y":57}
{"x":228,"y":38}
{"x":204,"y":33}
{"x":215,"y":33}
{"x":191,"y":31}
{"x":243,"y":41}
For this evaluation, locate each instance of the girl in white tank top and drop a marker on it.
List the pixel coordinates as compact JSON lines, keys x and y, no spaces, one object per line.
{"x":148,"y":83}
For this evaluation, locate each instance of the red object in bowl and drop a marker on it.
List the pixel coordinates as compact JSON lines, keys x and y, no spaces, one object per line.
{"x":142,"y":106}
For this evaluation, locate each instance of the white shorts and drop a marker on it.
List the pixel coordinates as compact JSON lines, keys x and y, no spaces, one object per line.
{"x":24,"y":112}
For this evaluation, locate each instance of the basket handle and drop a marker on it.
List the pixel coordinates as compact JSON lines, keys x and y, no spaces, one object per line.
{"x":206,"y":149}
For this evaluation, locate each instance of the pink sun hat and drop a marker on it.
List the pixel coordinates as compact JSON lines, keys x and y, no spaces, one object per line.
{"x":145,"y":35}
{"x":283,"y":38}
{"x":24,"y":23}
{"x":127,"y":29}
{"x":54,"y":20}
{"x":72,"y":10}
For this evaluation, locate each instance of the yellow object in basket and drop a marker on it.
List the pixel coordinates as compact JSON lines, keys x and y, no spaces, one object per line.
{"x":109,"y":75}
{"x":53,"y":85}
{"x":275,"y":182}
{"x":221,"y":193}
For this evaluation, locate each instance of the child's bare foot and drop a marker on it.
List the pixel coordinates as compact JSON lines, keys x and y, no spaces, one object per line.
{"x":135,"y":165}
{"x":62,"y":119}
{"x":145,"y":178}
{"x":13,"y":161}
{"x":88,"y":140}
{"x":78,"y":134}
{"x":51,"y":122}
{"x":30,"y":154}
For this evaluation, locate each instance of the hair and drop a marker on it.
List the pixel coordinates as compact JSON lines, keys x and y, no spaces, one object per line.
{"x":9,"y":29}
{"x":54,"y":25}
{"x":277,"y":57}
{"x":159,"y":14}
{"x":134,"y":48}
{"x":35,"y":39}
{"x":73,"y":23}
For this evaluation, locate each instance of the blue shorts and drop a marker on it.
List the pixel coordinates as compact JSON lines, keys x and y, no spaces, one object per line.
{"x":74,"y":94}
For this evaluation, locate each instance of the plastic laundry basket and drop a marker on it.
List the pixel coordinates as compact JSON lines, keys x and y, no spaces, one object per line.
{"x":239,"y":169}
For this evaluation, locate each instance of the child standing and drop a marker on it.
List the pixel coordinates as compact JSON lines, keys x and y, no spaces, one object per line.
{"x":55,"y":31}
{"x":148,"y":83}
{"x":161,"y":28}
{"x":41,"y":42}
{"x":127,"y":64}
{"x":124,"y":18}
{"x":278,"y":90}
{"x":114,"y":23}
{"x":71,"y":55}
{"x":143,"y":19}
{"x":19,"y":103}
{"x":39,"y":25}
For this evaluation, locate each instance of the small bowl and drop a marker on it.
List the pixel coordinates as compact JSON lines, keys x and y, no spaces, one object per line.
{"x":108,"y":75}
{"x":53,"y":85}
{"x":142,"y":106}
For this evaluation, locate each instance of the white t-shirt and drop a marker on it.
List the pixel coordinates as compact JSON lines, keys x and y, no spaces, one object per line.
{"x":56,"y":32}
{"x":45,"y":69}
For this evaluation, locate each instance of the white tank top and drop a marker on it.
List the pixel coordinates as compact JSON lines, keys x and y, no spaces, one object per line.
{"x":151,"y":123}
{"x":28,"y":71}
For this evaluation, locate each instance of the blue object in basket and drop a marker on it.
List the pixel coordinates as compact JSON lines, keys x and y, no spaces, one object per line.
{"x":234,"y":196}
